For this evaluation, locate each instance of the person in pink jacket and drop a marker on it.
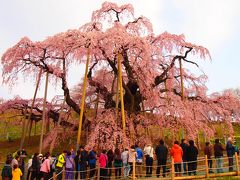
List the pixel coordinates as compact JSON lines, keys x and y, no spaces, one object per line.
{"x":45,"y":168}
{"x":103,"y":159}
{"x":177,"y":154}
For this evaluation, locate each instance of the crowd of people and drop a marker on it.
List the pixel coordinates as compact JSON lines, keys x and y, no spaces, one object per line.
{"x":82,"y":164}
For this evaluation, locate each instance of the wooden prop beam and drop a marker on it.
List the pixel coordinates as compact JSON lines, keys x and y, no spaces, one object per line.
{"x":83,"y":101}
{"x":121,"y":92}
{"x":58,"y":125}
{"x":30,"y":114}
{"x":43,"y":114}
{"x":181,"y":76}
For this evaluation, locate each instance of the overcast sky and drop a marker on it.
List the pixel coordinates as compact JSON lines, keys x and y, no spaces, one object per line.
{"x":214,"y":24}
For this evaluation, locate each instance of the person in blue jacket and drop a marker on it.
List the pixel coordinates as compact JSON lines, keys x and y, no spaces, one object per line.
{"x":230,"y":153}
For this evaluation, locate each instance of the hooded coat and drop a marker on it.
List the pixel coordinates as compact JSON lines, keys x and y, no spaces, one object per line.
{"x":177,"y":153}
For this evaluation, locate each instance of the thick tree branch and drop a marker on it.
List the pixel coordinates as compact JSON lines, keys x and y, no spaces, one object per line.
{"x":161,"y":78}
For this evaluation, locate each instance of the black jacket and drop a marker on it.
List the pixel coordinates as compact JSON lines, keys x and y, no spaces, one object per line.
{"x":218,"y":150}
{"x":191,"y":153}
{"x":161,"y":152}
{"x":35,"y":164}
{"x":184,"y":147}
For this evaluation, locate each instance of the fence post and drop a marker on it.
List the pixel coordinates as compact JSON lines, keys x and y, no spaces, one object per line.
{"x":237,"y":163}
{"x":134,"y":169}
{"x":173,"y":169}
{"x":98,"y":172}
{"x":54,"y":176}
{"x":207,"y":168}
{"x":7,"y":136}
{"x":63,"y":173}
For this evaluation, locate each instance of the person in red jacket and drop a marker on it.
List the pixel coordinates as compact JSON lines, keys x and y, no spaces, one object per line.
{"x":103,"y":160}
{"x":177,"y":154}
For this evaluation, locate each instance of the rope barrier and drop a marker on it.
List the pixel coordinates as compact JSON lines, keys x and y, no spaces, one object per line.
{"x":57,"y":174}
{"x":88,"y":170}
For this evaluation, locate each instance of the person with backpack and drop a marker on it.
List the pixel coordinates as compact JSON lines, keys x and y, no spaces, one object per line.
{"x":7,"y":170}
{"x":103,"y":160}
{"x":117,"y":163}
{"x":83,"y":162}
{"x":45,"y":168}
{"x":60,"y":163}
{"x":92,"y":161}
{"x":161,"y":152}
{"x":16,"y":172}
{"x":69,"y":166}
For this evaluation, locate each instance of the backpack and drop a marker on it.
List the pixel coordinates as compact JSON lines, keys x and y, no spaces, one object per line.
{"x":7,"y":171}
{"x":69,"y":163}
{"x":53,"y":164}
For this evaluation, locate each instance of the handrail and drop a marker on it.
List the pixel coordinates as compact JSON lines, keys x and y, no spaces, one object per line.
{"x":202,"y":171}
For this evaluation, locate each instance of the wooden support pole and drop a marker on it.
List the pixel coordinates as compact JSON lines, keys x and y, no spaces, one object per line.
{"x":83,"y":100}
{"x":121,"y":92}
{"x":24,"y":122}
{"x":173,"y":169}
{"x":58,"y":125}
{"x":98,"y":172}
{"x":35,"y":128}
{"x":30,"y":122}
{"x":237,"y":163}
{"x":43,"y":114}
{"x":207,"y":168}
{"x":117,"y":98}
{"x":181,"y":76}
{"x":30,"y":114}
{"x":61,"y":112}
{"x":166,"y":93}
{"x":134,"y":170}
{"x":54,"y":176}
